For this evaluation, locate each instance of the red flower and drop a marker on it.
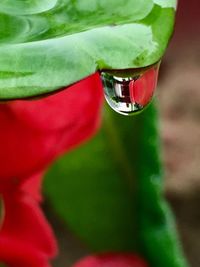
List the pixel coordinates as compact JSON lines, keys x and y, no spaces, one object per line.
{"x":33,"y":133}
{"x":112,"y":260}
{"x":26,"y":238}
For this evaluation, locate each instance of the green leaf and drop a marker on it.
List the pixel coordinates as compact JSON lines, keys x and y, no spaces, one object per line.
{"x":110,"y":191}
{"x":92,"y":194}
{"x":46,"y":45}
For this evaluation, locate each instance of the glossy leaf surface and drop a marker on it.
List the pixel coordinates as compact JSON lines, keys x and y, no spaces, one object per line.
{"x":110,"y":192}
{"x":49,"y":44}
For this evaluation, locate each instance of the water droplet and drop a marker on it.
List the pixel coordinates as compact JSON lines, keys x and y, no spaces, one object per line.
{"x":129,"y":91}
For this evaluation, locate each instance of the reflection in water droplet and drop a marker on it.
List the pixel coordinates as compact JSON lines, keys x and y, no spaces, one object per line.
{"x":128,"y":92}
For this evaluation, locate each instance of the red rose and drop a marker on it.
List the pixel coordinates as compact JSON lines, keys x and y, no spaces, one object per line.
{"x":111,"y":260}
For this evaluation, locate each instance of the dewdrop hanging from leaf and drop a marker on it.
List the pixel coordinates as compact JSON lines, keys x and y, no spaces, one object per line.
{"x":130,"y":91}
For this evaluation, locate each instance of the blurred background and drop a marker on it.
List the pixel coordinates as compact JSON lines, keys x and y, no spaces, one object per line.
{"x":179,"y":102}
{"x":179,"y":98}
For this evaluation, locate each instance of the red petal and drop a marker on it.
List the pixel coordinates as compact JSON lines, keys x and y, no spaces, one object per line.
{"x":33,"y":185}
{"x":25,"y":223}
{"x":112,"y":260}
{"x":33,"y":133}
{"x":17,"y":254}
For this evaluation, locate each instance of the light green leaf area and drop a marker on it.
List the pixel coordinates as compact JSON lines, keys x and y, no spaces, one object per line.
{"x":110,"y":191}
{"x":166,"y":3}
{"x":46,"y":45}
